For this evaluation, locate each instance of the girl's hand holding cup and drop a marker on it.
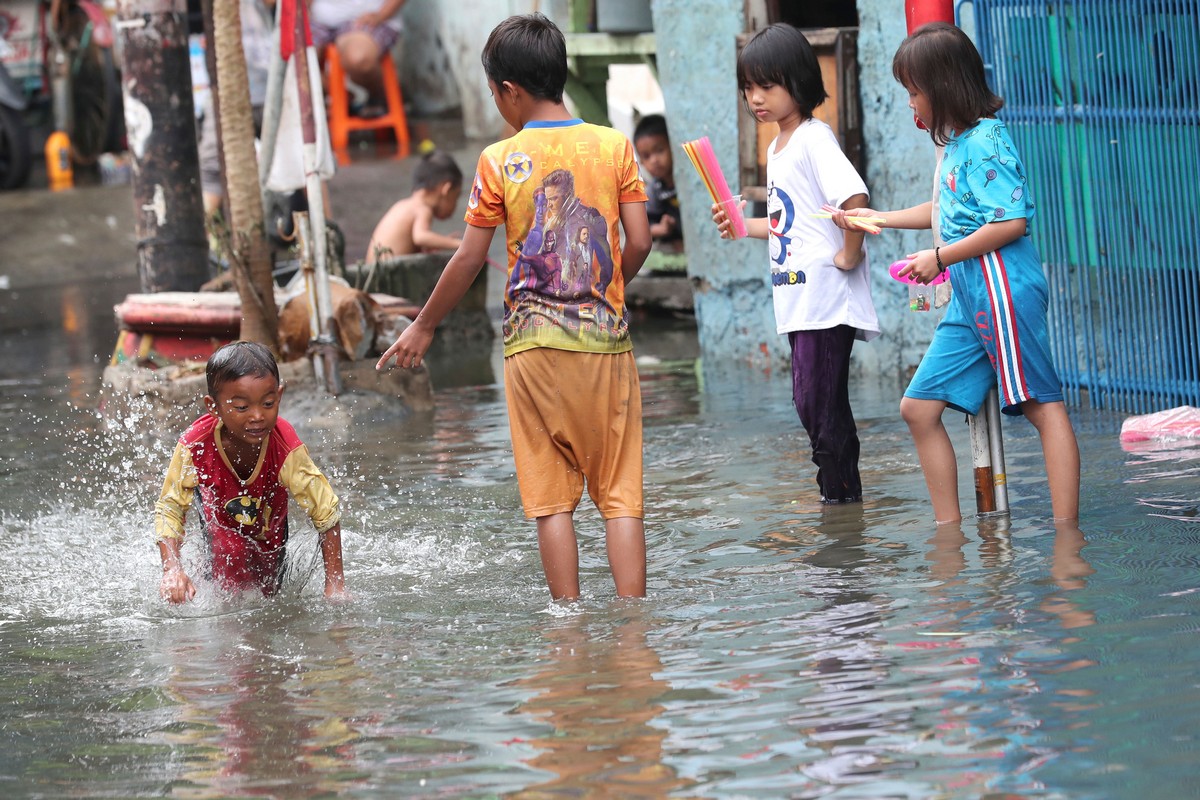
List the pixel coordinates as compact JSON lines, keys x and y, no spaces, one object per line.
{"x":724,"y":213}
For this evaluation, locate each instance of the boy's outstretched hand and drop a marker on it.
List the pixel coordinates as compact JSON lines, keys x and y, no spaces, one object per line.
{"x":409,"y":348}
{"x":176,"y":587}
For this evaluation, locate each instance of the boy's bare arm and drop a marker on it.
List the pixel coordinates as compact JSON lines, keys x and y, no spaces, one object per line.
{"x":636,"y":226}
{"x":424,"y":237}
{"x":331,"y":555}
{"x":393,"y":233}
{"x":460,"y":272}
{"x":175,"y":587}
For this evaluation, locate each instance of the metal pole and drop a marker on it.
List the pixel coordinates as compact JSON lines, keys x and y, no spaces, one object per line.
{"x":981,"y":460}
{"x":316,"y":204}
{"x":999,"y":470}
{"x":304,"y":236}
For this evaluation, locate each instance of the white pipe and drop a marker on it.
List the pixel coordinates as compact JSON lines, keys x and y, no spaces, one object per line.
{"x":304,"y":235}
{"x":999,"y":470}
{"x":981,"y":463}
{"x":272,"y":105}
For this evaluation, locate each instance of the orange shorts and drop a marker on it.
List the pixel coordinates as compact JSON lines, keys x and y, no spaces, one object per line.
{"x":575,"y":417}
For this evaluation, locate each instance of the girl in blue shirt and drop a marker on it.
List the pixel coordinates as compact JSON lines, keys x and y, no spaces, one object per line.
{"x":994,"y":332}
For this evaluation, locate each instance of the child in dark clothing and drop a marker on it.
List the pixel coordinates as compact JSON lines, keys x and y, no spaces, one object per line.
{"x":654,"y":153}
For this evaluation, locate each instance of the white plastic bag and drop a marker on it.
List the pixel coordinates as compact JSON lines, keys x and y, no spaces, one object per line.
{"x":287,"y":168}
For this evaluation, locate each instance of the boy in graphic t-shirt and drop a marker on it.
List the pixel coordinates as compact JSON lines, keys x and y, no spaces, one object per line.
{"x":564,"y":190}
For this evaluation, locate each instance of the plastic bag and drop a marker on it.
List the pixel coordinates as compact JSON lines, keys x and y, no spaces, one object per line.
{"x":287,"y":170}
{"x":1174,"y":423}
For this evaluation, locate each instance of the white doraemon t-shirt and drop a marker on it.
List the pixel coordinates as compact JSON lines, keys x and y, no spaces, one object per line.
{"x":810,"y":293}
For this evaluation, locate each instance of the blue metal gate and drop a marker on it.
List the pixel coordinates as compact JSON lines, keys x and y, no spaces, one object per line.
{"x":1103,"y":100}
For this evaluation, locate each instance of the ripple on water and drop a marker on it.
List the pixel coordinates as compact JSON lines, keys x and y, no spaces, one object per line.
{"x":786,"y":649}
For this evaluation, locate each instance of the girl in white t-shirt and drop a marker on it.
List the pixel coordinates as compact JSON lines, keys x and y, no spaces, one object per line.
{"x":818,"y":272}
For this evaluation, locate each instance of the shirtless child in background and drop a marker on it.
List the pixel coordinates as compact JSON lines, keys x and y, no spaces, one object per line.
{"x":405,"y":228}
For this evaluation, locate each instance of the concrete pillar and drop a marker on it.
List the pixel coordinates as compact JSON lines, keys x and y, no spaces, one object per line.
{"x":900,"y":164}
{"x":697,"y":57}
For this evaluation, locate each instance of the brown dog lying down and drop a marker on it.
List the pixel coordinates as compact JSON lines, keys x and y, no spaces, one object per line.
{"x":363,"y":323}
{"x":354,"y":320}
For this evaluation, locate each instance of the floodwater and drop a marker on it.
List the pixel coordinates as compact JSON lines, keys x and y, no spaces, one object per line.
{"x":785,"y":649}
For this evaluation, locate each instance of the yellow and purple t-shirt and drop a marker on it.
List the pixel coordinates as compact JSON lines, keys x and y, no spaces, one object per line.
{"x":557,"y":187}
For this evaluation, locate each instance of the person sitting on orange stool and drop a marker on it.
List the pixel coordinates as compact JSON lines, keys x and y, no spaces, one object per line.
{"x":363,"y":30}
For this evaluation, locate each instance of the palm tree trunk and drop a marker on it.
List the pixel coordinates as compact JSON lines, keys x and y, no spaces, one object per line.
{"x":251,"y":259}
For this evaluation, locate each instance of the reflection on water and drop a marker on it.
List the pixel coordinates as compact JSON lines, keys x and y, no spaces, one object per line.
{"x":596,"y":689}
{"x":259,"y":710}
{"x":786,"y":650}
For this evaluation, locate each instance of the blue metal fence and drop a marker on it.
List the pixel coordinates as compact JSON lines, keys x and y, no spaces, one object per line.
{"x":1103,"y":100}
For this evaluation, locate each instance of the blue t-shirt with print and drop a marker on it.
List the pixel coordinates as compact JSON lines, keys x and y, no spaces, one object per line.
{"x":982,"y":181}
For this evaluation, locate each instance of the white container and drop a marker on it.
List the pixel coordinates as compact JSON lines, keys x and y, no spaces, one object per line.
{"x":623,"y":16}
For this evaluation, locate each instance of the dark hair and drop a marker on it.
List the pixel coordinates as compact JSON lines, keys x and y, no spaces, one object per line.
{"x":530,"y":51}
{"x":779,"y":54}
{"x":436,"y":168}
{"x":651,"y":125}
{"x":939,"y":61}
{"x":237,"y":360}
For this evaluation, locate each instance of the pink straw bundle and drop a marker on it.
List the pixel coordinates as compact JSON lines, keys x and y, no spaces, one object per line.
{"x":705,"y":161}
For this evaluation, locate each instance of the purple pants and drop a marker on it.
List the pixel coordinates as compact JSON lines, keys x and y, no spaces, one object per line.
{"x":821,"y":393}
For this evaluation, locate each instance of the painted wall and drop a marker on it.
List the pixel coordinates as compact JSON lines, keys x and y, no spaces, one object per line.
{"x":442,"y":43}
{"x":426,"y":71}
{"x":900,"y":164}
{"x":696,"y":42}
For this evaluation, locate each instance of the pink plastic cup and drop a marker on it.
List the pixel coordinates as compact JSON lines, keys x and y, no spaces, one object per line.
{"x":733,"y":210}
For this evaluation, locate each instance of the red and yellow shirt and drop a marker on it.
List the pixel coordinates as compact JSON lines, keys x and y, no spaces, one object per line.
{"x":245,"y":520}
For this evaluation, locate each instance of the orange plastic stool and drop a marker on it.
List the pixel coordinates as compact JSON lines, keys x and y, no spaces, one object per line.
{"x":341,"y":122}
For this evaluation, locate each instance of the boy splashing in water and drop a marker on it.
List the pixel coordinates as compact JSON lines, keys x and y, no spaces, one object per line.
{"x":242,"y":462}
